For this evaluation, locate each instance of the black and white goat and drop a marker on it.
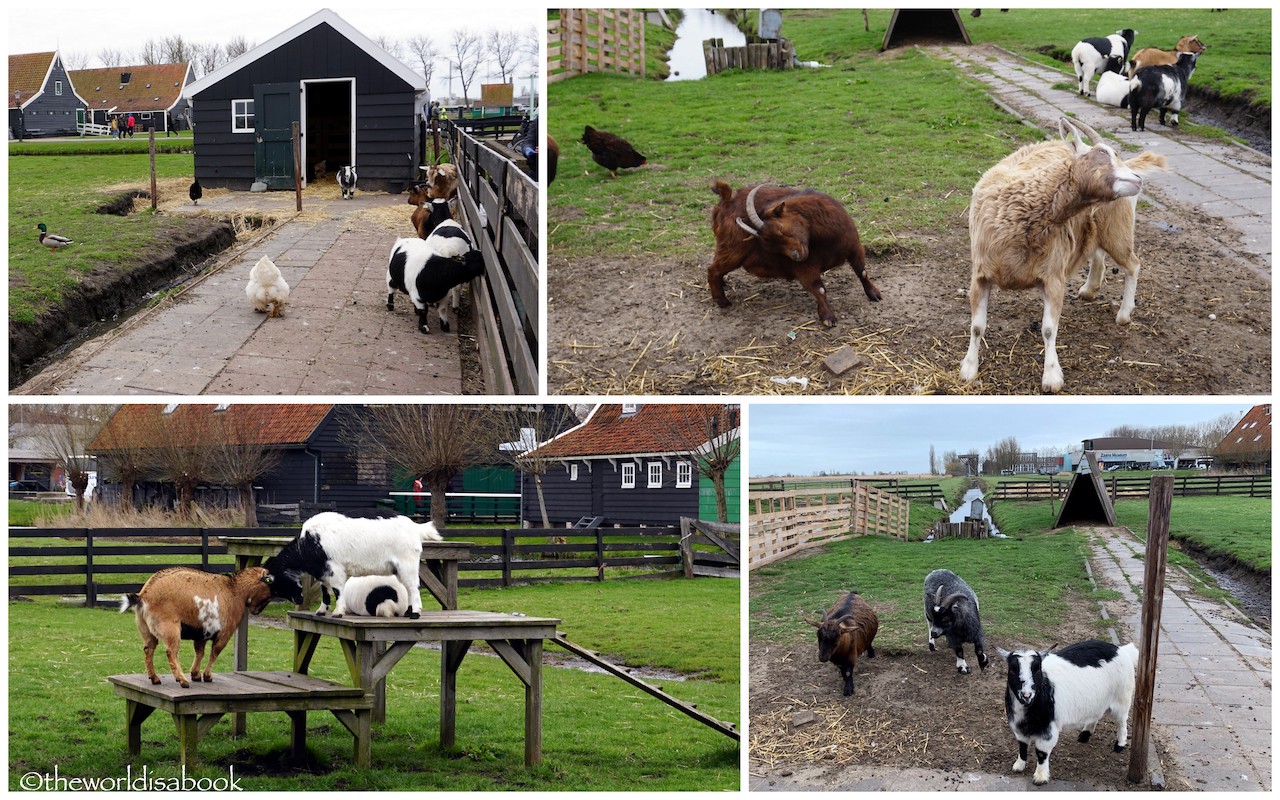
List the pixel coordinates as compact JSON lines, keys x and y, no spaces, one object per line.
{"x":429,"y":271}
{"x":347,"y":182}
{"x":1094,"y":55}
{"x":373,"y":596}
{"x":333,"y":547}
{"x":1163,"y":87}
{"x":951,"y":610}
{"x":1072,"y":688}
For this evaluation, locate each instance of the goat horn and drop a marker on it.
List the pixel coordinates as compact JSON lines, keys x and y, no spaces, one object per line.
{"x":747,"y":227}
{"x":1093,"y":135}
{"x":951,"y":599}
{"x":937,"y":598}
{"x":811,"y":622}
{"x":752,"y":214}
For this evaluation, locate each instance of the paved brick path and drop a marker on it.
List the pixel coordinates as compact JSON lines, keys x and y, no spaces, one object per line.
{"x":336,"y":337}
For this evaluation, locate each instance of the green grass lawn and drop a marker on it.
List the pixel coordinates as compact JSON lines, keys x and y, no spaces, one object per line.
{"x":599,"y":733}
{"x":890,"y":574}
{"x":1233,"y":527}
{"x":63,"y":192}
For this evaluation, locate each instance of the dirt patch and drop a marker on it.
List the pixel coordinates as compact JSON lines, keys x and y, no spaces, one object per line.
{"x":911,"y":710}
{"x":642,"y":325}
{"x":108,"y":291}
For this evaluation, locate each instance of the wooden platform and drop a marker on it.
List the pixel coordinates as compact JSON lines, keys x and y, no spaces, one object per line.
{"x":372,"y":646}
{"x":195,"y":710}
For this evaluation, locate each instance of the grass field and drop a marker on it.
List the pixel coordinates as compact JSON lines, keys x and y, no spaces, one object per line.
{"x":599,"y":733}
{"x":1238,"y":528}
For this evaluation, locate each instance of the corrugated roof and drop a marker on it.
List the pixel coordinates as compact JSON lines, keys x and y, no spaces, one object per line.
{"x":27,"y":72}
{"x":151,"y":87}
{"x":652,"y":428}
{"x":1252,"y":434}
{"x":278,"y":424}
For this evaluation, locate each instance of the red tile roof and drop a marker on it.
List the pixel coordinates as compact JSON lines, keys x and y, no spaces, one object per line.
{"x":27,"y":72}
{"x":151,"y":87}
{"x":1251,"y":434}
{"x":653,"y":428}
{"x":285,"y":423}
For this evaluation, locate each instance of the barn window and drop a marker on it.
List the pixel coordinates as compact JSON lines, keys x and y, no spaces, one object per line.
{"x":57,"y":88}
{"x":655,"y":474}
{"x":628,"y":475}
{"x":684,"y":474}
{"x":242,"y":120}
{"x":573,"y":472}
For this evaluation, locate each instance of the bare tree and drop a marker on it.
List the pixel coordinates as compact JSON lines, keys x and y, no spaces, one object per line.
{"x":388,"y":43}
{"x":237,"y":46}
{"x":183,"y":451}
{"x":176,"y":50}
{"x":523,"y":428}
{"x":76,"y":60}
{"x":152,"y":51}
{"x":431,"y":442}
{"x":123,"y":455}
{"x":709,"y":433}
{"x":64,"y":439}
{"x":208,"y":58}
{"x":1002,"y":455}
{"x":933,"y":461}
{"x":531,"y":45}
{"x":423,"y":48}
{"x":240,"y":455}
{"x":464,"y":57}
{"x":503,"y":48}
{"x":114,"y":56}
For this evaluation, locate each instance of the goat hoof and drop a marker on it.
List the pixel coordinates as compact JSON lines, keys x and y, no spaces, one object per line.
{"x":962,"y":670}
{"x":932,"y":649}
{"x":413,"y":615}
{"x":1084,"y":736}
{"x":444,"y":326}
{"x":423,"y":329}
{"x":154,"y":681}
{"x":1039,"y":782}
{"x":184,"y":684}
{"x":208,"y":679}
{"x":723,"y":302}
{"x":1119,"y":748}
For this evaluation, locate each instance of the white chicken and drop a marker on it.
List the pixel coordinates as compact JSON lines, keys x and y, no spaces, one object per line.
{"x":267,"y":290}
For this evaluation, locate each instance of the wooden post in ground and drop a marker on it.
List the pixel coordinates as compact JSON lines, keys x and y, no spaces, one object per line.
{"x":1161,"y":500}
{"x":151,"y":151}
{"x":297,"y":166}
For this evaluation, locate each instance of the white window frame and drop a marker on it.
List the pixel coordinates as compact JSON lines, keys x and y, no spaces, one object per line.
{"x":655,"y":475}
{"x":573,"y":472}
{"x":242,"y":111}
{"x":57,"y":88}
{"x":684,"y":474}
{"x":629,"y":475}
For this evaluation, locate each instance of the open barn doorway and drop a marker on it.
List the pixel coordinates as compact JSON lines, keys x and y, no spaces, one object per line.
{"x":328,"y":132}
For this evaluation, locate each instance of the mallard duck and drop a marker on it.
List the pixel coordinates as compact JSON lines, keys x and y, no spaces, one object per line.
{"x":51,"y":240}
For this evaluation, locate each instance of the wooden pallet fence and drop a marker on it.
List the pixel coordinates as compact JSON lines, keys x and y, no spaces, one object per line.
{"x":785,"y":523}
{"x":756,"y":54}
{"x":959,"y":530}
{"x":1124,"y":487}
{"x":595,"y":40}
{"x":507,"y":301}
{"x":710,"y":549}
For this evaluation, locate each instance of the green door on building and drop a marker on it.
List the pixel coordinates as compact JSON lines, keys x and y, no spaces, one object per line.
{"x":276,"y":106}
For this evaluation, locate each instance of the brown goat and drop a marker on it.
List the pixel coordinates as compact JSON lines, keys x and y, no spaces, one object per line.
{"x":1153,"y":56}
{"x":846,"y":632}
{"x":442,"y":181}
{"x":799,"y":234}
{"x":1038,"y":216}
{"x":429,"y":212}
{"x":185,"y":603}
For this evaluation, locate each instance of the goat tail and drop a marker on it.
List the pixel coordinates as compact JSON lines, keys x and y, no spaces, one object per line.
{"x":128,"y":601}
{"x":724,"y":190}
{"x":1146,"y":162}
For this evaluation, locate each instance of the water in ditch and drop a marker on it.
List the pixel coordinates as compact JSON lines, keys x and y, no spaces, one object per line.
{"x":698,"y":24}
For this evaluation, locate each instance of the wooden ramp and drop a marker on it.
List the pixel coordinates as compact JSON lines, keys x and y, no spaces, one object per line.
{"x":613,"y":669}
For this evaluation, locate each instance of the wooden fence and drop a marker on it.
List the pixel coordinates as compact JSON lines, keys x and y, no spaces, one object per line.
{"x":1138,"y":486}
{"x":720,"y":554}
{"x":926,"y":492}
{"x":784,"y":523}
{"x":595,"y":40}
{"x":755,"y":54}
{"x":78,"y":561}
{"x":507,"y":307}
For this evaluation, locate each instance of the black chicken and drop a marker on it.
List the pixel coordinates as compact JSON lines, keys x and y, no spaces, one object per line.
{"x":196,"y":192}
{"x":610,"y":151}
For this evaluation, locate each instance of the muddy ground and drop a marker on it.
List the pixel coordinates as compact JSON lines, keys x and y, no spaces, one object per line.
{"x":911,"y":709}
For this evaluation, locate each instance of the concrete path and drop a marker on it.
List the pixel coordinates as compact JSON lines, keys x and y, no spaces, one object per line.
{"x":336,"y":337}
{"x":1213,"y":679}
{"x":1222,"y":179}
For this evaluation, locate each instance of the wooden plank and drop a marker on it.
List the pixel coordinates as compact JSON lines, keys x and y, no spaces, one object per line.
{"x":1152,"y":604}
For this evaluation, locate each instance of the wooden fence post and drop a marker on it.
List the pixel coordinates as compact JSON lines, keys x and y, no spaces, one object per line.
{"x":1160,"y":503}
{"x":297,"y":166}
{"x":599,"y":554}
{"x":508,"y":552}
{"x":90,"y":591}
{"x":686,"y":547}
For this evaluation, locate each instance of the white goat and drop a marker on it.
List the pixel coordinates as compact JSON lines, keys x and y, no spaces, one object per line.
{"x":1035,"y":219}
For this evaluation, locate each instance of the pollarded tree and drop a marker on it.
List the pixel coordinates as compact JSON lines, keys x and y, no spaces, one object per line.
{"x":240,"y":455}
{"x":431,"y":442}
{"x":64,"y":438}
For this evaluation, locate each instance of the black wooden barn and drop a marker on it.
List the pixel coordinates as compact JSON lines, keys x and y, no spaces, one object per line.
{"x":627,"y":464}
{"x":316,"y":465}
{"x":354,"y":103}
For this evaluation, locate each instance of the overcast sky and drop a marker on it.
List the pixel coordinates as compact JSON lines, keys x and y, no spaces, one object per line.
{"x":869,"y":437}
{"x":126,"y":26}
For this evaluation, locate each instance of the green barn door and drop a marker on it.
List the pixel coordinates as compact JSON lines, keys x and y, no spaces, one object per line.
{"x":276,"y":106}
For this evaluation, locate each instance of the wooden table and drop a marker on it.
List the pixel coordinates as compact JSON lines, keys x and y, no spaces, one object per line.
{"x":195,"y":710}
{"x":373,"y":645}
{"x":438,"y":571}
